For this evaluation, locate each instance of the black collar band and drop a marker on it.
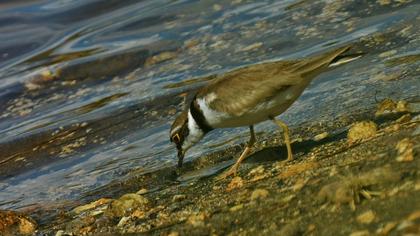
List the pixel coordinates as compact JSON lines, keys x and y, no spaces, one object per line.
{"x":199,"y":118}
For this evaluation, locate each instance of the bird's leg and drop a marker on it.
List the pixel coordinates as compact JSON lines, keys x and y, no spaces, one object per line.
{"x":245,"y":154}
{"x":285,"y":129}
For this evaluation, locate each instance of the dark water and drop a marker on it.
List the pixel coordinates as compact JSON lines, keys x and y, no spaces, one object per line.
{"x":88,"y":88}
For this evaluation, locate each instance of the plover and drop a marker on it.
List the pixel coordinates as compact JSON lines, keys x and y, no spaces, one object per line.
{"x":247,"y":96}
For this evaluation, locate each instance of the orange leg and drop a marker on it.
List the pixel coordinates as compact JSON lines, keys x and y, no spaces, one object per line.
{"x":245,"y":154}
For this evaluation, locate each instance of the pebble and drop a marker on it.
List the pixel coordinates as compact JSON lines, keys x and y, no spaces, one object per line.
{"x":123,"y":221}
{"x":91,"y":205}
{"x":197,"y":219}
{"x":139,"y":214}
{"x":384,"y":2}
{"x":236,"y":182}
{"x":386,"y":229}
{"x":259,"y":194}
{"x":405,"y":150}
{"x":179,"y":197}
{"x":217,"y":7}
{"x":388,"y":53}
{"x":366,"y":217}
{"x":161,"y":57}
{"x":404,"y":118}
{"x":60,"y":233}
{"x":320,"y":136}
{"x":387,"y":76}
{"x":258,"y":173}
{"x":251,"y":47}
{"x":300,"y":183}
{"x":236,"y":208}
{"x":142,"y":191}
{"x":361,"y":233}
{"x":14,"y":223}
{"x":361,"y":130}
{"x":127,"y":203}
{"x":257,"y":170}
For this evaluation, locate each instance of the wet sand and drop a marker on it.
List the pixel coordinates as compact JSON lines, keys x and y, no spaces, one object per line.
{"x":339,"y":184}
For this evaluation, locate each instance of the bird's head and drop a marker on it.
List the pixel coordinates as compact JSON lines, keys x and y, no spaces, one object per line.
{"x":184,"y":134}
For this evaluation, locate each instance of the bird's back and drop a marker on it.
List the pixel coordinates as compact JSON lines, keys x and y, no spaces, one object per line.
{"x":240,"y":90}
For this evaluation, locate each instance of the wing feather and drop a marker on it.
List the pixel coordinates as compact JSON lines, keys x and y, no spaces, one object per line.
{"x":241,"y":90}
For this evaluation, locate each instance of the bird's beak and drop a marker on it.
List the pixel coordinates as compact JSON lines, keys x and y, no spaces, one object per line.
{"x":180,"y":158}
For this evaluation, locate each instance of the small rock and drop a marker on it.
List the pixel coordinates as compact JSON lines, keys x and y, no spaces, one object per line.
{"x":361,"y":130}
{"x":259,"y":194}
{"x":402,"y":106}
{"x":296,"y":169}
{"x":366,"y":218}
{"x":161,"y":57}
{"x":320,"y":136}
{"x":384,"y":2}
{"x":348,"y":189}
{"x":405,"y":150}
{"x":179,"y":197}
{"x":388,"y":53}
{"x":139,"y":214}
{"x":38,"y":80}
{"x":197,"y":219}
{"x":258,"y":173}
{"x":236,"y":182}
{"x":361,"y":233}
{"x":173,"y":234}
{"x":404,"y":118}
{"x":14,"y":223}
{"x":387,"y":228}
{"x":251,"y":47}
{"x":389,"y":106}
{"x":123,"y":221}
{"x":385,"y":106}
{"x":387,"y":76}
{"x":392,"y":128}
{"x":236,"y":208}
{"x":85,"y":230}
{"x":300,"y":183}
{"x":414,"y":216}
{"x":91,"y":205}
{"x":417,"y":186}
{"x":142,"y":191}
{"x":217,"y":7}
{"x":126,"y":204}
{"x":311,"y":228}
{"x":406,"y":225}
{"x":60,"y":233}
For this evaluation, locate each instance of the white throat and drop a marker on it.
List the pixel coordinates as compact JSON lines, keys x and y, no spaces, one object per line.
{"x":195,"y":133}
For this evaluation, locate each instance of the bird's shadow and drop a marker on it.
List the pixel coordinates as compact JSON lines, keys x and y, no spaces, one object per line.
{"x":299,"y":149}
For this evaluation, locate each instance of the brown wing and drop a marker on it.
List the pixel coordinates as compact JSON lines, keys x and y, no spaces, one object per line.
{"x":242,"y":89}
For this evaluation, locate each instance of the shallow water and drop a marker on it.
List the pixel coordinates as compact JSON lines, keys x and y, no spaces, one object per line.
{"x":89,"y":88}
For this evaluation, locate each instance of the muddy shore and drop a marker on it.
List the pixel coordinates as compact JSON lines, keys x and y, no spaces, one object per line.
{"x":342,"y":182}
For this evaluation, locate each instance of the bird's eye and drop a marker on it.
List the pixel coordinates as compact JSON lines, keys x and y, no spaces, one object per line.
{"x":176,"y":138}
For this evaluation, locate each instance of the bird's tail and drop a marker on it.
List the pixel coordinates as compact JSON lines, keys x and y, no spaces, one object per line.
{"x":345,"y":58}
{"x":312,"y":66}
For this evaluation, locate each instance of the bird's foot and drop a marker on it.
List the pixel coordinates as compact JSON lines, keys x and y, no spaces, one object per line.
{"x":288,"y":160}
{"x":231,"y":172}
